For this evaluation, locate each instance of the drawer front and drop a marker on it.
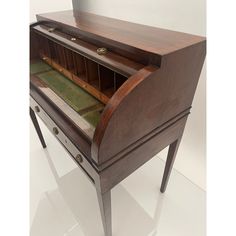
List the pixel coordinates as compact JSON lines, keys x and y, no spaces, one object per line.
{"x":75,"y":153}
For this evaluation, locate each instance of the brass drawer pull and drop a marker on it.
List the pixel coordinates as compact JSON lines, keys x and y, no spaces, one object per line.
{"x":50,"y":30}
{"x":79,"y":158}
{"x":37,"y":109}
{"x":55,"y":130}
{"x":101,"y":51}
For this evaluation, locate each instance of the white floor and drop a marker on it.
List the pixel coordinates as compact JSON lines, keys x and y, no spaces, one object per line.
{"x":64,"y":203}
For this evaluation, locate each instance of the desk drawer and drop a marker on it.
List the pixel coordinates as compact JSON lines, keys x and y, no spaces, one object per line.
{"x":75,"y":153}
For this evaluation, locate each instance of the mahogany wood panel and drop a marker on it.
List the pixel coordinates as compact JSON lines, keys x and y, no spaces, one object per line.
{"x":147,"y":100}
{"x":34,"y":46}
{"x":149,"y":39}
{"x":132,"y":160}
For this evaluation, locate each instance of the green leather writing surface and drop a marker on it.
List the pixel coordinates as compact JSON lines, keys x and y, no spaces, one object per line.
{"x":80,"y":100}
{"x":92,"y":117}
{"x":75,"y":96}
{"x":39,"y":66}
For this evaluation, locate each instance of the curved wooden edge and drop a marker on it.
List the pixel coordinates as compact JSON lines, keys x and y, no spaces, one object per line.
{"x":114,"y":103}
{"x":146,"y":101}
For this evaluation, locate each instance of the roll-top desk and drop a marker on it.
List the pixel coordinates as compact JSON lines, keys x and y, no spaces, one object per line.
{"x":113,"y":93}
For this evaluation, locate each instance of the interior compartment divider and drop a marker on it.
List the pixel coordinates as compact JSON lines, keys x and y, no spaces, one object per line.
{"x":111,"y":60}
{"x":100,"y":81}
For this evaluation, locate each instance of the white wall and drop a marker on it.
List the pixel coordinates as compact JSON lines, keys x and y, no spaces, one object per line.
{"x":181,"y":15}
{"x":43,"y":6}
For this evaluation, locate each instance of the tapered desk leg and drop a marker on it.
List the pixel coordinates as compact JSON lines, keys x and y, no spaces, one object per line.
{"x":173,"y":148}
{"x":104,"y":200}
{"x":36,"y":126}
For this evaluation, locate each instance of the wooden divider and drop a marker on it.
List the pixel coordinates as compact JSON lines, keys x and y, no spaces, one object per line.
{"x":97,"y":79}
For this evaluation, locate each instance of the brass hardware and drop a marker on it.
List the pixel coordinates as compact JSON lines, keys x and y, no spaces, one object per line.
{"x":73,"y":39}
{"x":101,"y":51}
{"x":55,"y":130}
{"x":79,"y":158}
{"x":37,"y":109}
{"x":51,"y":30}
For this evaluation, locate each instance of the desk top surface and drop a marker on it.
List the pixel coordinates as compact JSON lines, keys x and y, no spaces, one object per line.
{"x":151,"y":39}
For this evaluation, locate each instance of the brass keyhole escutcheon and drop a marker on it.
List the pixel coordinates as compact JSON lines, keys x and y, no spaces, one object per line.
{"x":79,"y":158}
{"x":101,"y":51}
{"x":37,"y":109}
{"x":55,"y":130}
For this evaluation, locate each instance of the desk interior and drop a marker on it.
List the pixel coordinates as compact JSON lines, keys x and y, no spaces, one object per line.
{"x":81,"y":101}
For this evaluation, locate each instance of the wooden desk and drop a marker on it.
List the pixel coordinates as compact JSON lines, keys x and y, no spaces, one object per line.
{"x":114,"y":93}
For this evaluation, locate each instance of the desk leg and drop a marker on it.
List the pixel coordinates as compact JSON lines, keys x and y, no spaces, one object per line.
{"x":104,"y":200}
{"x":173,"y":148}
{"x":36,"y":126}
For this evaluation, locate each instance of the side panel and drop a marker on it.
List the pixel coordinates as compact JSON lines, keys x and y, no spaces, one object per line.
{"x":156,"y":99}
{"x":133,"y":160}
